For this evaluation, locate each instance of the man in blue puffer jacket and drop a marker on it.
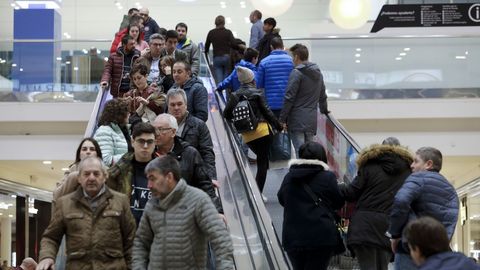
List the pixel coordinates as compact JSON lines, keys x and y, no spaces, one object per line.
{"x":249,"y":61}
{"x":272,"y":75}
{"x":425,"y":193}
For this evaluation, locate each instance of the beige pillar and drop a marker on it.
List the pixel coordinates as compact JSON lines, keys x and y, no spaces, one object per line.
{"x":6,"y":240}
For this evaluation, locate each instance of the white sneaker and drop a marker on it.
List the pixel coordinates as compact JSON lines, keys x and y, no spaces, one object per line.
{"x":264,"y":198}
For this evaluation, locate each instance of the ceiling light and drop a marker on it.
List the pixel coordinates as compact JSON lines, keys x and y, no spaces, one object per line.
{"x":332,"y":36}
{"x":117,"y":3}
{"x":105,"y":59}
{"x":21,"y":69}
{"x":461,"y":57}
{"x":357,"y":55}
{"x":59,"y":58}
{"x":14,"y":65}
{"x":75,"y":68}
{"x":357,"y":61}
{"x":402,"y":54}
{"x":12,"y":5}
{"x":137,"y":3}
{"x":47,"y":162}
{"x":11,"y":216}
{"x":350,"y":14}
{"x":1,"y":214}
{"x":13,"y":196}
{"x":84,"y":51}
{"x":5,"y":205}
{"x":364,"y":36}
{"x":466,"y":52}
{"x":242,"y":4}
{"x":65,"y":169}
{"x":406,"y":49}
{"x":398,"y":58}
{"x":68,"y":62}
{"x":358,"y":49}
{"x":275,"y":8}
{"x":99,"y":51}
{"x":228,"y":20}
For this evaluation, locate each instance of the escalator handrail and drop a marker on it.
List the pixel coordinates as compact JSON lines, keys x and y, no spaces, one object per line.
{"x":344,"y":132}
{"x":269,"y":236}
{"x":102,"y":97}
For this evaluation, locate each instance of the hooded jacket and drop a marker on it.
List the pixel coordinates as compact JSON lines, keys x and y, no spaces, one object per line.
{"x":193,"y":54}
{"x":197,"y":98}
{"x":305,"y":225}
{"x":232,"y":81}
{"x":382,"y":170}
{"x":304,"y":94}
{"x":449,"y":261}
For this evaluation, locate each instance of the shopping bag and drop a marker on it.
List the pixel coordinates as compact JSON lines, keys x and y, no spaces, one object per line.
{"x":281,"y":148}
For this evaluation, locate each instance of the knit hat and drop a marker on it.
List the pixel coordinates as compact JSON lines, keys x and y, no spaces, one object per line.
{"x":245,"y":75}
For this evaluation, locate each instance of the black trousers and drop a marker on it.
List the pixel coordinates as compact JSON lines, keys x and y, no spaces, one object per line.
{"x":372,"y":258}
{"x":316,"y":259}
{"x":261,"y":147}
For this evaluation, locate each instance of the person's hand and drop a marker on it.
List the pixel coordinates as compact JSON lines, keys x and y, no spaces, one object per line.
{"x":141,"y":100}
{"x":46,"y":264}
{"x":222,"y":216}
{"x":128,"y":98}
{"x":394,"y":244}
{"x":168,"y":70}
{"x":154,"y":85}
{"x":216,"y":184}
{"x":104,"y":84}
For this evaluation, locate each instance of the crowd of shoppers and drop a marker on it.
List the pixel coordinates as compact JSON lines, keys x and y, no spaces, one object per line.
{"x":141,"y":192}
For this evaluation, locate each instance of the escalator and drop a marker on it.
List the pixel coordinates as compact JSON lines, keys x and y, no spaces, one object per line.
{"x":255,"y":226}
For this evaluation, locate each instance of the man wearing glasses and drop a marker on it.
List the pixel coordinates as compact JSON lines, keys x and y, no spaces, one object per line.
{"x":192,"y":166}
{"x":151,"y":59}
{"x":128,"y":174}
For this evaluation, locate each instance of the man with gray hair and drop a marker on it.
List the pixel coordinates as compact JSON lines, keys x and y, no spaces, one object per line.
{"x":188,"y":219}
{"x":97,"y":222}
{"x":151,"y":59}
{"x":425,"y":193}
{"x":191,"y":129}
{"x":191,"y":163}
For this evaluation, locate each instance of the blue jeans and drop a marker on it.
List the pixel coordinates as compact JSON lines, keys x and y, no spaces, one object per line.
{"x":298,"y":138}
{"x":221,"y":66}
{"x":404,"y":262}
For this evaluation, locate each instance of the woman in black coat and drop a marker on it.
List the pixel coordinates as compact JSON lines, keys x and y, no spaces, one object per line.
{"x":258,"y":140}
{"x":309,"y":231}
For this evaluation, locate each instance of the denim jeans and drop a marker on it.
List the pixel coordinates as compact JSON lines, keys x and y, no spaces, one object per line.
{"x":404,"y":262}
{"x":221,"y":66}
{"x":299,"y":138}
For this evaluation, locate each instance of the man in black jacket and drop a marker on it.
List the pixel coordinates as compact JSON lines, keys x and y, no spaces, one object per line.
{"x":382,"y":169}
{"x":191,"y":163}
{"x":191,"y":129}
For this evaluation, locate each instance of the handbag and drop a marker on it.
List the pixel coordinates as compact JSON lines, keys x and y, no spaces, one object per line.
{"x":340,"y":245}
{"x":281,"y":148}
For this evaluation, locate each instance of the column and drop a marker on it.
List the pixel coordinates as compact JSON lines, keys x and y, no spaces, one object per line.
{"x":6,"y":239}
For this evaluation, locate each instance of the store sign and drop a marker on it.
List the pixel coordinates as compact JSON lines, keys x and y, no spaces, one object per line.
{"x":435,"y":15}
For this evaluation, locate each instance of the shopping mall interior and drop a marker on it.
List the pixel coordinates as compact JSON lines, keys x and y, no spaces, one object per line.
{"x":420,"y":84}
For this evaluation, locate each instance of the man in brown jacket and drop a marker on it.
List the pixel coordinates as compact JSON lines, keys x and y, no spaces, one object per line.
{"x":97,"y":222}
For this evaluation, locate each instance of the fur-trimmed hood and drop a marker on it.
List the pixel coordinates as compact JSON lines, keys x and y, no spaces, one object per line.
{"x":306,"y":169}
{"x":388,"y":156}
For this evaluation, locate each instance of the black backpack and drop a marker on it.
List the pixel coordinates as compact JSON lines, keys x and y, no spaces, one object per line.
{"x":244,"y":118}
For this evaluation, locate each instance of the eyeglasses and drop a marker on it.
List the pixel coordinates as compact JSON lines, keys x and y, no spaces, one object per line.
{"x":157,"y":44}
{"x":162,"y":130}
{"x":143,"y":142}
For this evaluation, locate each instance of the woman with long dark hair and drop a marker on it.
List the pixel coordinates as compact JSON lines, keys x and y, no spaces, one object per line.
{"x":87,"y":147}
{"x":309,"y":231}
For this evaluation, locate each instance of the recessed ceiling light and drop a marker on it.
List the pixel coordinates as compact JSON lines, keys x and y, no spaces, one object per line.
{"x":59,"y":58}
{"x":406,"y":49}
{"x":47,"y":162}
{"x":357,"y":61}
{"x":12,"y":4}
{"x":466,"y":52}
{"x":358,"y":49}
{"x":68,"y":62}
{"x":398,"y":58}
{"x":357,"y":55}
{"x":332,"y":36}
{"x":461,"y":57}
{"x":75,"y":68}
{"x":65,"y":169}
{"x":13,"y":196}
{"x":228,"y":20}
{"x":14,"y":65}
{"x":21,"y":69}
{"x":402,"y":54}
{"x":11,"y":216}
